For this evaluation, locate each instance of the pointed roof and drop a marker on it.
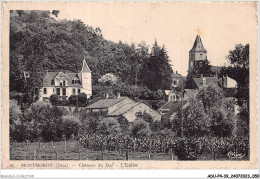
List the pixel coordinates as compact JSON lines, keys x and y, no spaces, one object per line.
{"x":85,"y":67}
{"x":198,"y":45}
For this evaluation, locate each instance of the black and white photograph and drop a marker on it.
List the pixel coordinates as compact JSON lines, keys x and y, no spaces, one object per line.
{"x":132,"y":82}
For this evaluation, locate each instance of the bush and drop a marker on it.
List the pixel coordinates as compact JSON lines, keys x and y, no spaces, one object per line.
{"x":82,"y":98}
{"x":70,"y":126}
{"x":73,"y":99}
{"x":109,"y":126}
{"x":16,"y":129}
{"x":139,"y":129}
{"x":55,"y":99}
{"x":186,"y":149}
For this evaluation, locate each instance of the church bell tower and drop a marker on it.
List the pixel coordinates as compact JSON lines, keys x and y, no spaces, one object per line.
{"x":197,"y":54}
{"x":86,"y":79}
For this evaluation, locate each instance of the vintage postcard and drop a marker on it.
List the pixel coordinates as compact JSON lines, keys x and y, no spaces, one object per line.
{"x":129,"y":85}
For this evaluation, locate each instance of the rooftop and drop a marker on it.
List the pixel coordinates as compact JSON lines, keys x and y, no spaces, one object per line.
{"x":105,"y":103}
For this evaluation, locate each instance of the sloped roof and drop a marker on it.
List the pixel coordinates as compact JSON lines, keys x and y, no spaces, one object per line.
{"x":174,"y":75}
{"x":167,"y":92}
{"x":105,"y":103}
{"x":191,"y":92}
{"x":198,"y":81}
{"x":173,"y":107}
{"x":85,"y":67}
{"x":49,"y":76}
{"x":198,"y":45}
{"x":123,"y":109}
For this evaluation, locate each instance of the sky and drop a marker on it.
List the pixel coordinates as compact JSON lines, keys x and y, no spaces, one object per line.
{"x":175,"y":24}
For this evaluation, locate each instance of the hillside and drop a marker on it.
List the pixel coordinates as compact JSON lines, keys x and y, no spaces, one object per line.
{"x":39,"y":43}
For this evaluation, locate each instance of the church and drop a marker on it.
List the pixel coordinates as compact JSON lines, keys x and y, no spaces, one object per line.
{"x":67,"y":84}
{"x":200,"y":73}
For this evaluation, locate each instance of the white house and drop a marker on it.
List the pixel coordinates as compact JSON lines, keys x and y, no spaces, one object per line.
{"x":66,"y":84}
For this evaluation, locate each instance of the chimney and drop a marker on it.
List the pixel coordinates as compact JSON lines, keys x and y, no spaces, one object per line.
{"x":118,"y":95}
{"x":106,"y":95}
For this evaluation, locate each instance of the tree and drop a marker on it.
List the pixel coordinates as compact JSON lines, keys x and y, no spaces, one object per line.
{"x":15,"y":122}
{"x":238,"y":69}
{"x":210,"y":96}
{"x":55,"y":99}
{"x":156,"y":70}
{"x":139,"y":129}
{"x":70,"y":126}
{"x":73,"y":99}
{"x":109,"y":127}
{"x":208,"y":114}
{"x":42,"y":121}
{"x":82,"y":98}
{"x":108,"y":79}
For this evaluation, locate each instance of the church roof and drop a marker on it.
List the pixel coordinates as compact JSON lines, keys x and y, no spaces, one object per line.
{"x":85,"y":67}
{"x":198,"y":45}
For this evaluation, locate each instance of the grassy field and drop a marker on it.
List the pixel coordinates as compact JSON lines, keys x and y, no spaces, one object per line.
{"x":74,"y":151}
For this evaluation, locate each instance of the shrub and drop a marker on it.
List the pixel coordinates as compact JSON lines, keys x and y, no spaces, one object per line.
{"x":73,"y":99}
{"x":82,"y":98}
{"x":70,"y":126}
{"x":186,"y":149}
{"x":109,"y":126}
{"x":139,"y":129}
{"x":54,"y":99}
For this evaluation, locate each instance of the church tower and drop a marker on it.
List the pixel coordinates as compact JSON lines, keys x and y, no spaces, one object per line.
{"x":86,"y":80}
{"x":197,"y":54}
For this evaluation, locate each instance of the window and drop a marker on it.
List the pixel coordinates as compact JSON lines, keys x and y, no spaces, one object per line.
{"x":73,"y":91}
{"x":60,"y":83}
{"x":75,"y":80}
{"x":64,"y":82}
{"x":58,"y":91}
{"x":45,"y":90}
{"x":175,"y":82}
{"x":64,"y":91}
{"x":78,"y":91}
{"x":52,"y":82}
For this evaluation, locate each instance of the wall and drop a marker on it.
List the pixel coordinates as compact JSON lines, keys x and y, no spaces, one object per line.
{"x":87,"y":84}
{"x":53,"y":90}
{"x":141,"y":107}
{"x":231,"y":83}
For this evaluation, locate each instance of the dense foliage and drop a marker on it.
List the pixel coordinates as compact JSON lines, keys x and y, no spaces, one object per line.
{"x":39,"y":43}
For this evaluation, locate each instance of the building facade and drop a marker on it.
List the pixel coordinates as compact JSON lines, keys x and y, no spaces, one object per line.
{"x":67,"y":84}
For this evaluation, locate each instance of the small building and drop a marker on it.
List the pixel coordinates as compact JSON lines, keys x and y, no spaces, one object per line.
{"x":176,"y":80}
{"x":121,"y":106}
{"x":172,"y":95}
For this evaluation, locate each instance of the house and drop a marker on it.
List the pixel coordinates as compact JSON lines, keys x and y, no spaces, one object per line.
{"x":172,"y":95}
{"x":176,"y":80}
{"x":66,"y":84}
{"x":121,"y":106}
